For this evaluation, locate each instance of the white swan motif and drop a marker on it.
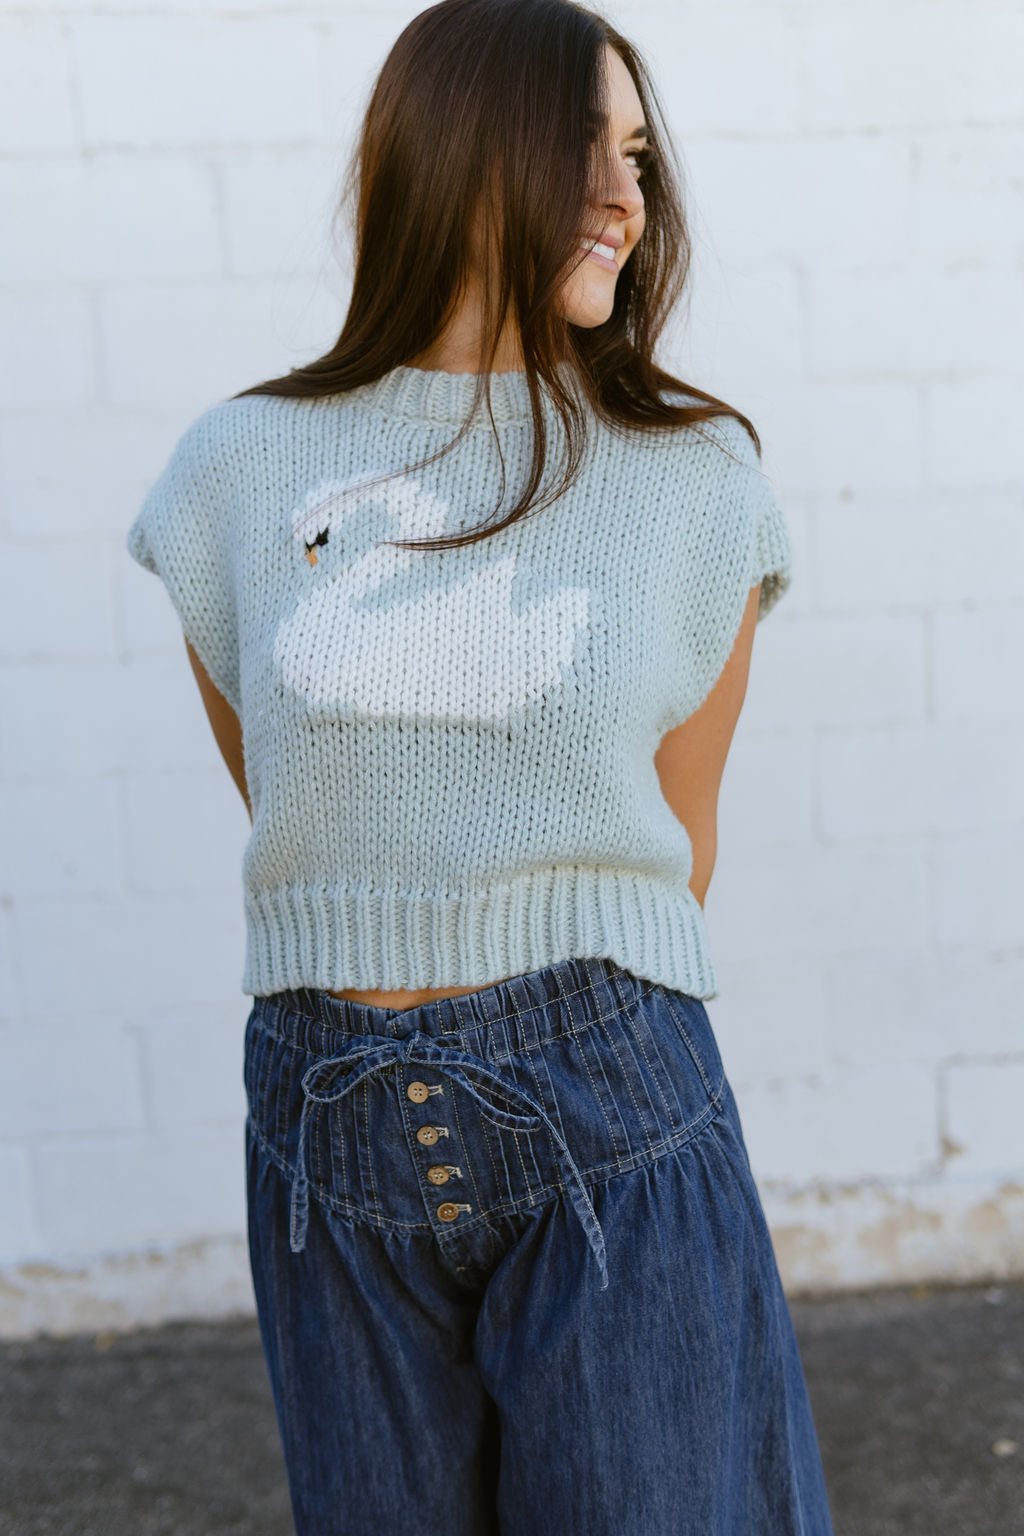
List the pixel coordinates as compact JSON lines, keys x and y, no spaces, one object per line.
{"x":458,"y":650}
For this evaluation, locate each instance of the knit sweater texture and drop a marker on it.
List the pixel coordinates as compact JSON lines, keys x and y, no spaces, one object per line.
{"x":450,"y":753}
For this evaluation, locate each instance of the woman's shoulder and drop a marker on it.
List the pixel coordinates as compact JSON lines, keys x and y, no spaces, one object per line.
{"x":232,"y":416}
{"x":232,"y":435}
{"x":724,"y":430}
{"x":215,"y":428}
{"x":715,"y":451}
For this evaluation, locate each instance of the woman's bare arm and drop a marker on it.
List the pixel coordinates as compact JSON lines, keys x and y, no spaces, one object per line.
{"x":690,"y":759}
{"x":225,"y":724}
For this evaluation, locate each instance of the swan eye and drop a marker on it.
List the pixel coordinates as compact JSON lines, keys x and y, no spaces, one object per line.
{"x":321,"y":538}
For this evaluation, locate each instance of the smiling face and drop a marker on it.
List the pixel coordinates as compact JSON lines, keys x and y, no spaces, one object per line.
{"x":613,"y":222}
{"x":616,"y":210}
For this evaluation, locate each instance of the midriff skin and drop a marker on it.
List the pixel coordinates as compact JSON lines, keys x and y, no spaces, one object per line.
{"x":410,"y":999}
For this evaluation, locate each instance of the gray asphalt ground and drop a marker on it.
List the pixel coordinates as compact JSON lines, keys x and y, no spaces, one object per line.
{"x":171,"y":1431}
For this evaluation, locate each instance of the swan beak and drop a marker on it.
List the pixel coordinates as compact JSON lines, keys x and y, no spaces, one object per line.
{"x":311,"y":556}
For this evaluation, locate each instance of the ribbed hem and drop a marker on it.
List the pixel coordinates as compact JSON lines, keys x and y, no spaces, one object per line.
{"x":300,"y":936}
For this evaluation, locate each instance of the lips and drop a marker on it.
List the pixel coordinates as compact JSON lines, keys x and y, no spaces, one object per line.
{"x":602,"y":254}
{"x":615,"y":241}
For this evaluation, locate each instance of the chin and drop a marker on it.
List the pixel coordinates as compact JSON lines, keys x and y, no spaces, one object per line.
{"x":590,"y":300}
{"x":588,"y":315}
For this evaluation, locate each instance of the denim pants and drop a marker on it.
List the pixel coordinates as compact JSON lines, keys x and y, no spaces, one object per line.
{"x":512,"y":1271}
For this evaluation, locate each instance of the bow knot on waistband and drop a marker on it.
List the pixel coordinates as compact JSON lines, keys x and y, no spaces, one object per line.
{"x":332,"y":1077}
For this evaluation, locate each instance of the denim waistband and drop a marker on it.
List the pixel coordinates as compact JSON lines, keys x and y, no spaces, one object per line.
{"x":496,"y":1021}
{"x":354,"y":1040}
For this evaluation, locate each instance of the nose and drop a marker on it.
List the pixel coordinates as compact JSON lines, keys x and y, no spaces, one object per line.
{"x":623,"y":199}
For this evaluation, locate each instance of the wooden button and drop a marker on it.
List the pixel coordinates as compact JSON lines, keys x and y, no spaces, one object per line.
{"x":438,"y":1174}
{"x":447,"y":1211}
{"x":417,"y":1092}
{"x":426,"y":1135}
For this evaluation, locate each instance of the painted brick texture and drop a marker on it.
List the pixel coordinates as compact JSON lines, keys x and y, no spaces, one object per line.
{"x":859,"y":233}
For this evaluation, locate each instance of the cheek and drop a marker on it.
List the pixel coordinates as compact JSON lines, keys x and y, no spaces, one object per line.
{"x":574,"y":287}
{"x":585,"y":299}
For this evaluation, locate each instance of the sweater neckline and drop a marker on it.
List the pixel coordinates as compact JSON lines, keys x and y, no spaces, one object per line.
{"x":434,"y":395}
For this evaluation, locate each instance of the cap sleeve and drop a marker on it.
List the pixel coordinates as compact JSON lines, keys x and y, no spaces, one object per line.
{"x":734,"y":535}
{"x":771,"y":548}
{"x":184,"y":533}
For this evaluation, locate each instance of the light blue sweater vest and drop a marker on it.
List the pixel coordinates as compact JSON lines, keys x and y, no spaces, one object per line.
{"x":450,"y":753}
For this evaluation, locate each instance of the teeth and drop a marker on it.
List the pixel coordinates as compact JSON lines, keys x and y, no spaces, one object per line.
{"x":602,"y":250}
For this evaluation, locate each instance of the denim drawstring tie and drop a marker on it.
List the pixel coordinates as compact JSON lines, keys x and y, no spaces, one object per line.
{"x":330,"y":1079}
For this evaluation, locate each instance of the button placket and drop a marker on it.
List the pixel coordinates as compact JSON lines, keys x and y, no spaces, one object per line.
{"x":427,"y":1136}
{"x":330,"y":1078}
{"x":419,"y":1092}
{"x":440,"y":1173}
{"x":449,"y":1209}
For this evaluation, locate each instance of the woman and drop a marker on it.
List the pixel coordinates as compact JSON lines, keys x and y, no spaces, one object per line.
{"x":511,"y":1267}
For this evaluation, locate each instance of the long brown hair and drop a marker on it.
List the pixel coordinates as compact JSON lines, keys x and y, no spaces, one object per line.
{"x":495,"y":109}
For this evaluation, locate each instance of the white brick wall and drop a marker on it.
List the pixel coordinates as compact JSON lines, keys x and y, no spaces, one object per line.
{"x":859,"y":230}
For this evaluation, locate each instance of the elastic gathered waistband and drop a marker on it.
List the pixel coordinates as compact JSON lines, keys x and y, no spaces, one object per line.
{"x":505,"y":1017}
